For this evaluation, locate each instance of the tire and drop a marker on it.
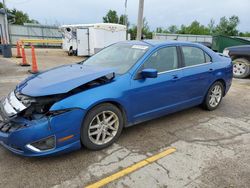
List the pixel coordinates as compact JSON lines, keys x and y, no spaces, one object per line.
{"x":94,"y":127}
{"x":241,"y":68}
{"x":70,"y":52}
{"x":209,"y":103}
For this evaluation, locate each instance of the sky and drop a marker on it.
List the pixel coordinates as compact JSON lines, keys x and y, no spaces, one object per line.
{"x":159,"y":13}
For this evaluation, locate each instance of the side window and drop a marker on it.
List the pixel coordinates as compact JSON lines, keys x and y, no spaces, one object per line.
{"x":208,"y":58}
{"x":163,"y":60}
{"x":193,"y":56}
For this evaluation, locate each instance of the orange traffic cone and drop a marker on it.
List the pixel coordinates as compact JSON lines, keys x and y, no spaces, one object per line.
{"x":18,"y":50}
{"x":24,"y":61}
{"x":34,"y":69}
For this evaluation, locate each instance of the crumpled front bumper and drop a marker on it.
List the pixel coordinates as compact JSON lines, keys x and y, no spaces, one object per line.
{"x":29,"y":131}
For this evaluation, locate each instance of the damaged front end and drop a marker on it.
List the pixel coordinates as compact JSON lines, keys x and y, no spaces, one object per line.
{"x":17,"y":105}
{"x":28,"y":127}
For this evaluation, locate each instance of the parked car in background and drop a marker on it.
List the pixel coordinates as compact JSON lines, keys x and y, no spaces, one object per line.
{"x":241,"y":60}
{"x":89,"y":103}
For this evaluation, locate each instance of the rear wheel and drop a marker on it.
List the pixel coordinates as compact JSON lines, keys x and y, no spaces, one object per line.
{"x":241,"y":68}
{"x":102,"y":126}
{"x":214,"y":96}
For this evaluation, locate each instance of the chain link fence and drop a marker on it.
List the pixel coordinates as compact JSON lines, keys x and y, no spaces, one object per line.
{"x":18,"y":32}
{"x":184,"y":37}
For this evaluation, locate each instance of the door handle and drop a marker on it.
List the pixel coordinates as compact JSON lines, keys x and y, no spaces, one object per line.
{"x":175,"y":77}
{"x":210,"y":70}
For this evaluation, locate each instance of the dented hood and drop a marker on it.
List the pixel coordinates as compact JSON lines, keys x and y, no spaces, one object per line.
{"x":61,"y":79}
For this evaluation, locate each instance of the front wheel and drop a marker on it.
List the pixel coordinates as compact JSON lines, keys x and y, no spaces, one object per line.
{"x":70,"y":52}
{"x":102,"y":126}
{"x":214,"y":96}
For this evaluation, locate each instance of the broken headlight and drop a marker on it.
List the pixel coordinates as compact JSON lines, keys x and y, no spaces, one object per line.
{"x":26,"y":100}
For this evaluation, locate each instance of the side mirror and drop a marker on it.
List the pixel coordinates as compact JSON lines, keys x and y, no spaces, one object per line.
{"x":149,"y":73}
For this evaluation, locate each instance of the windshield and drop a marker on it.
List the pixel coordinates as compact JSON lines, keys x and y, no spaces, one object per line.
{"x":120,"y":56}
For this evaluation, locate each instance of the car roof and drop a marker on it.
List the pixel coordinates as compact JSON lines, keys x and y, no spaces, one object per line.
{"x":159,"y":43}
{"x":156,"y":43}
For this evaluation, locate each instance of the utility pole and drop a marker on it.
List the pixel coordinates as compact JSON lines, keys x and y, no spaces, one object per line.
{"x":140,"y":20}
{"x":6,"y":27}
{"x":125,"y":19}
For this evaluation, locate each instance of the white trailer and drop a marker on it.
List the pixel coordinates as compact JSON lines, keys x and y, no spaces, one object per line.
{"x":87,"y":39}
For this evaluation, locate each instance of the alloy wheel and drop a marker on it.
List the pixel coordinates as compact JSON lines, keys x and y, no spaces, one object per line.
{"x":215,"y":96}
{"x":103,"y":127}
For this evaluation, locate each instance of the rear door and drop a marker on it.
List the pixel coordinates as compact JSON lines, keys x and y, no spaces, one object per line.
{"x":82,"y":42}
{"x":197,"y":73}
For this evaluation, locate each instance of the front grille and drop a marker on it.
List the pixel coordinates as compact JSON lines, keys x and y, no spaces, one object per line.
{"x":10,"y":127}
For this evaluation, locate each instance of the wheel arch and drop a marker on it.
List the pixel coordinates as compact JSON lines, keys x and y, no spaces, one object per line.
{"x":221,"y":80}
{"x":216,"y":80}
{"x":240,"y":57}
{"x":116,"y":104}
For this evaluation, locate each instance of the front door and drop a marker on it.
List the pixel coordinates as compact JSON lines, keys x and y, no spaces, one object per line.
{"x":153,"y":97}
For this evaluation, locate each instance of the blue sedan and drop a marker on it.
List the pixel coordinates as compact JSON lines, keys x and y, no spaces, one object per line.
{"x":89,"y":103}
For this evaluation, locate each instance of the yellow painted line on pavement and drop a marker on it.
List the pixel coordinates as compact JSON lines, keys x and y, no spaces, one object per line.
{"x":131,"y":169}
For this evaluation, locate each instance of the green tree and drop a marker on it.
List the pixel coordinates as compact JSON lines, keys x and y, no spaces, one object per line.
{"x":228,"y":26}
{"x":122,"y":20}
{"x":211,"y":26}
{"x":195,"y":28}
{"x":20,"y":17}
{"x":246,"y":34}
{"x":146,"y":33}
{"x":173,"y":29}
{"x":111,"y":17}
{"x":182,"y":30}
{"x":159,"y":30}
{"x":132,"y":31}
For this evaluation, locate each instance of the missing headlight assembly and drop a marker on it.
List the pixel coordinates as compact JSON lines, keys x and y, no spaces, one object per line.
{"x":39,"y":106}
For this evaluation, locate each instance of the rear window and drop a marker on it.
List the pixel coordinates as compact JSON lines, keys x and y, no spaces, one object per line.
{"x":195,"y":56}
